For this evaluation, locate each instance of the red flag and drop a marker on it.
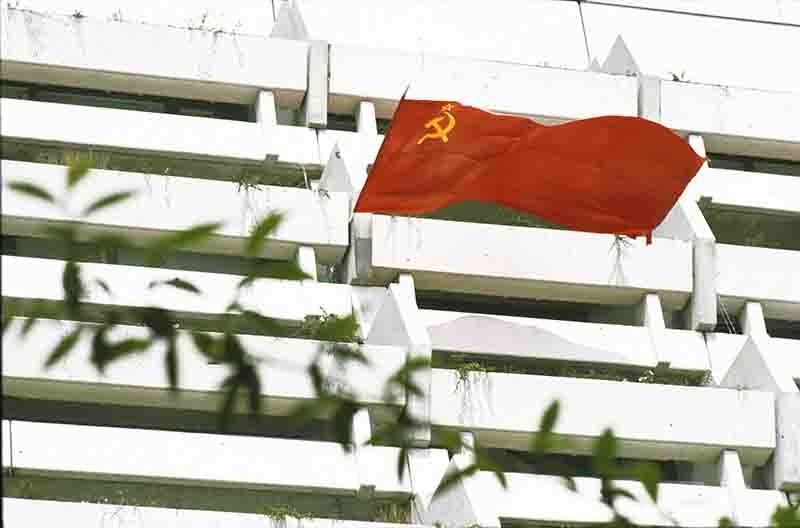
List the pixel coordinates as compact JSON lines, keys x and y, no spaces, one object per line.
{"x":612,"y":174}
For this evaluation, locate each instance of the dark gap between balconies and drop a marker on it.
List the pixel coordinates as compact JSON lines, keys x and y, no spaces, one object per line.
{"x":751,"y":164}
{"x":125,"y":101}
{"x":784,"y":329}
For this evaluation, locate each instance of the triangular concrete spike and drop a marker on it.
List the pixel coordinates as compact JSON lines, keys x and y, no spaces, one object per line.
{"x":289,"y":23}
{"x":388,"y":327}
{"x":620,"y":60}
{"x":753,"y":369}
{"x":595,"y":66}
{"x":463,"y":503}
{"x":336,"y":177}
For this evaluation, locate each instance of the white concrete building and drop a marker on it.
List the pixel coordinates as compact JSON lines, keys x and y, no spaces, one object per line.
{"x":688,"y":348}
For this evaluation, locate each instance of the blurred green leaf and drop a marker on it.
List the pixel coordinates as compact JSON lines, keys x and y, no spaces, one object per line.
{"x":786,"y":517}
{"x":231,"y":387}
{"x":107,"y":201}
{"x":111,"y":241}
{"x":649,"y":475}
{"x":604,"y":451}
{"x":253,"y":382}
{"x":104,"y":286}
{"x":171,"y":363}
{"x":208,"y":346}
{"x":342,"y":423}
{"x":73,"y":286}
{"x":174,"y":241}
{"x":28,"y":325}
{"x":260,"y":232}
{"x":64,"y":346}
{"x":336,"y":328}
{"x":8,"y":316}
{"x":454,"y":477}
{"x":726,"y":522}
{"x":176,"y":283}
{"x":77,"y":171}
{"x":160,"y":321}
{"x":34,"y":191}
{"x":262,"y":324}
{"x":544,"y":437}
{"x":62,"y":233}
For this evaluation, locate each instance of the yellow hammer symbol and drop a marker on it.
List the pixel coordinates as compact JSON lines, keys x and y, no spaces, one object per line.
{"x":441,"y":133}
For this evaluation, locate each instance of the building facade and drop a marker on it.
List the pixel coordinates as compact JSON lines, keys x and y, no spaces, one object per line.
{"x":688,"y":348}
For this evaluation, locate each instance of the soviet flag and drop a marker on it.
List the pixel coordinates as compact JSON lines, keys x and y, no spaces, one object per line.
{"x":612,"y":174}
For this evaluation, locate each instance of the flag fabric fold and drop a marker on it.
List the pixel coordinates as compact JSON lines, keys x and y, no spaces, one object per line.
{"x":611,"y":174}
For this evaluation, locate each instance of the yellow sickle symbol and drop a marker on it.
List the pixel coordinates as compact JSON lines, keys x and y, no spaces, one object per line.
{"x":441,"y":133}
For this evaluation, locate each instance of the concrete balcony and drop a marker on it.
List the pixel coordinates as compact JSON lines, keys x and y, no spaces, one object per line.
{"x":661,"y":422}
{"x":164,"y":204}
{"x":147,"y":59}
{"x":197,"y":470}
{"x":748,"y":191}
{"x":519,"y":338}
{"x":529,"y":262}
{"x":20,"y":512}
{"x":689,"y":505}
{"x":140,"y":380}
{"x":28,"y":279}
{"x":546,"y":94}
{"x":768,"y":276}
{"x":736,"y":121}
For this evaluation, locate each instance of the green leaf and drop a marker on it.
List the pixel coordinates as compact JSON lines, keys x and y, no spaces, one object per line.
{"x":726,"y":522}
{"x":8,"y":316}
{"x":335,"y":328}
{"x":34,"y":191}
{"x":544,"y":437}
{"x":250,"y":377}
{"x":188,"y":237}
{"x":160,"y":321}
{"x":231,"y":386}
{"x":73,"y":286}
{"x":261,"y":231}
{"x":176,"y":283}
{"x":107,"y":201}
{"x":401,"y":462}
{"x":649,"y":475}
{"x":171,"y":363}
{"x":62,"y":349}
{"x":28,"y":325}
{"x":104,"y":286}
{"x":604,"y":450}
{"x":786,"y":517}
{"x":342,"y":422}
{"x":208,"y":346}
{"x":254,"y":321}
{"x":455,"y":477}
{"x":77,"y":171}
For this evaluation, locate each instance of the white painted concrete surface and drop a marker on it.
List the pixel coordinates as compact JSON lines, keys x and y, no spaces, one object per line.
{"x":19,"y":513}
{"x":769,"y":276}
{"x":148,"y":59}
{"x":530,"y":262}
{"x":749,"y":191}
{"x":690,"y":505}
{"x":167,"y":203}
{"x":651,"y":421}
{"x":739,"y":121}
{"x":197,"y":459}
{"x":548,"y":94}
{"x":571,"y":341}
{"x":33,"y":278}
{"x":140,"y":380}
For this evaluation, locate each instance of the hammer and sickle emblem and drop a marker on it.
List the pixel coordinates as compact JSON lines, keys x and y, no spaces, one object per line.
{"x":441,"y":132}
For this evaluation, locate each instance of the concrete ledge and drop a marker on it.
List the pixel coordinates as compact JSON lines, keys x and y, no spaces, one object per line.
{"x":167,"y":203}
{"x":665,"y":422}
{"x":529,"y":262}
{"x":140,"y":380}
{"x":148,"y":59}
{"x":546,"y":94}
{"x":569,"y":341}
{"x":737,"y":121}
{"x":197,"y":460}
{"x":750,"y":191}
{"x":25,"y":279}
{"x":544,"y":499}
{"x":768,"y":276}
{"x":22,"y":512}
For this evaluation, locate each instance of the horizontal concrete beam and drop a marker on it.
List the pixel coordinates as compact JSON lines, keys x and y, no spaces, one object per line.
{"x":20,"y":512}
{"x":684,"y":504}
{"x":764,"y":275}
{"x":165,"y":204}
{"x":25,"y":279}
{"x":548,"y":94}
{"x":198,"y":460}
{"x":147,"y":59}
{"x":666,"y":422}
{"x":749,"y":191}
{"x":529,"y":262}
{"x":141,"y":381}
{"x":569,"y":341}
{"x":736,"y":121}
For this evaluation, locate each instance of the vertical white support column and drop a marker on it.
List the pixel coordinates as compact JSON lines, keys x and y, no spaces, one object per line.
{"x":731,"y":476}
{"x":361,"y":433}
{"x":315,"y":105}
{"x":306,"y":260}
{"x":651,"y":315}
{"x":751,"y":319}
{"x":366,"y":122}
